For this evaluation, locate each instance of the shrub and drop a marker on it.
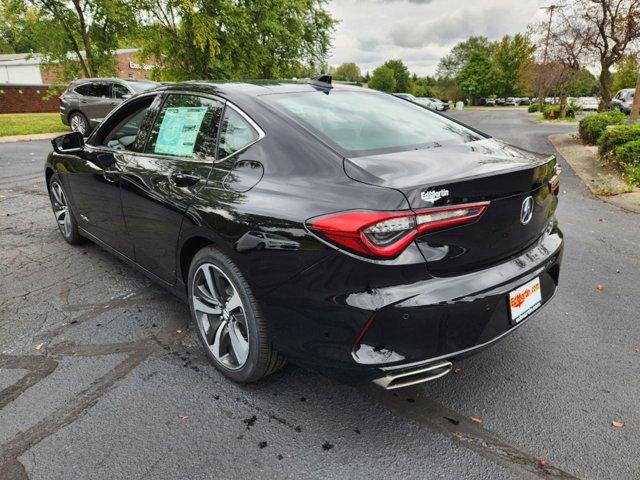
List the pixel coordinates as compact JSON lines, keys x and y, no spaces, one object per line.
{"x":629,"y":153}
{"x":617,"y":136}
{"x":534,"y":107}
{"x":593,"y":126}
{"x":632,"y":173}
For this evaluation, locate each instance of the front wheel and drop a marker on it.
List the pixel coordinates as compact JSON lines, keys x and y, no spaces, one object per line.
{"x":64,"y":216}
{"x":230,"y":325}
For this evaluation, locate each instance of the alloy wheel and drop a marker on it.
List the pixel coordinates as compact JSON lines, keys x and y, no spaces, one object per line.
{"x":220,"y":316}
{"x":61,"y":208}
{"x":78,"y":124}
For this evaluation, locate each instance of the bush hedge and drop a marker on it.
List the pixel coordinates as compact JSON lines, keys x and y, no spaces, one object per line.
{"x":629,"y":153}
{"x":593,"y":126}
{"x":617,"y":136}
{"x":534,"y":107}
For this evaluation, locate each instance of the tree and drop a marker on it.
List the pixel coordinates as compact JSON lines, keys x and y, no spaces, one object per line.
{"x":348,"y":72}
{"x":222,"y":39}
{"x":608,"y":28}
{"x":511,"y":57}
{"x":626,"y":74}
{"x":400,"y":74}
{"x":477,"y":77}
{"x":584,"y":84}
{"x":384,"y":79}
{"x":79,"y":34}
{"x":451,"y":64}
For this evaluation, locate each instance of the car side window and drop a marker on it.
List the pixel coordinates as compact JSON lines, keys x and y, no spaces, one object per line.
{"x":120,"y":91}
{"x":186,"y":126}
{"x":235,"y":134}
{"x":98,"y":89}
{"x":122,"y":130}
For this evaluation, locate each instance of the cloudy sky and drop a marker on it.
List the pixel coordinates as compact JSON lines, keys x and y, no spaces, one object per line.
{"x":421,"y":31}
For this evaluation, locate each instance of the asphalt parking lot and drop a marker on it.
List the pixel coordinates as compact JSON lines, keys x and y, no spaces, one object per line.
{"x":101,"y":375}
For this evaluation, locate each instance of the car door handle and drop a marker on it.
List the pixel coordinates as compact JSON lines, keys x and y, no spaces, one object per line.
{"x":110,"y":177}
{"x":185,"y":179}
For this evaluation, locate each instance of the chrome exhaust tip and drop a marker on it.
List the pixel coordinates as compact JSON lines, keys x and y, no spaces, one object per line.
{"x":414,"y":376}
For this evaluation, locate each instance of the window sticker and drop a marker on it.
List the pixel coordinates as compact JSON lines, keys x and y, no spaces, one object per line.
{"x":179,"y":131}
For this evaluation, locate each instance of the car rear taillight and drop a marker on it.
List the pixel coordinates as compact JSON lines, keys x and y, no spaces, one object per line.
{"x":386,"y":234}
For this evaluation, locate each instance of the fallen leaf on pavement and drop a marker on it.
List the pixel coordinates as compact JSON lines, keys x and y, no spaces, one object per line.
{"x":618,"y":423}
{"x":600,"y":287}
{"x":542,"y":463}
{"x":179,"y":330}
{"x":183,"y":417}
{"x":476,"y":420}
{"x":617,"y":270}
{"x":457,"y":370}
{"x":39,"y":346}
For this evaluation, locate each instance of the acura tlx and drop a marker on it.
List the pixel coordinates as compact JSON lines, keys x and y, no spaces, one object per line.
{"x":342,"y":229}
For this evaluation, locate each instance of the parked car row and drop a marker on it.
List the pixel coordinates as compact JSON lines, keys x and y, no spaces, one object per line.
{"x":514,"y":101}
{"x":429,"y":102}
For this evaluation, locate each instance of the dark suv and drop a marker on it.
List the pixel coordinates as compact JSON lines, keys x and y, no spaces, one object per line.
{"x":623,"y":100}
{"x":87,"y":101}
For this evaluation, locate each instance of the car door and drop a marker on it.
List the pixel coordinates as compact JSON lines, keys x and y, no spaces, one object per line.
{"x":159,"y":184}
{"x":95,"y":185}
{"x":98,"y":103}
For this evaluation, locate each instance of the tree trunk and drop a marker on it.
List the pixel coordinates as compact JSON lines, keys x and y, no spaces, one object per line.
{"x":635,"y":107}
{"x":563,"y":105}
{"x":86,"y":41}
{"x":605,"y":87}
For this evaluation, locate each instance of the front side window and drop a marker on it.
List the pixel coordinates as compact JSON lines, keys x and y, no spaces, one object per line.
{"x":235,"y":134}
{"x":121,"y":129}
{"x":185,"y":127}
{"x":361,"y":123}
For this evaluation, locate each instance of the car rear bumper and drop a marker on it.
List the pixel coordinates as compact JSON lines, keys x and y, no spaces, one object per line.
{"x":364,"y":335}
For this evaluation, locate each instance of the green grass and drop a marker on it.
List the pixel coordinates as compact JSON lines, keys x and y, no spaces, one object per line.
{"x":30,"y":123}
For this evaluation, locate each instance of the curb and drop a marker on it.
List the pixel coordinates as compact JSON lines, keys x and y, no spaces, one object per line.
{"x":583,"y":161}
{"x":28,"y":138}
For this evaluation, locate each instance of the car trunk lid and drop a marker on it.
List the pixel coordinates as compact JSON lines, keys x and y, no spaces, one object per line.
{"x":462,"y":173}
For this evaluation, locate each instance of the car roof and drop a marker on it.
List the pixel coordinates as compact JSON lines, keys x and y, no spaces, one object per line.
{"x":252,"y":88}
{"x":110,"y":79}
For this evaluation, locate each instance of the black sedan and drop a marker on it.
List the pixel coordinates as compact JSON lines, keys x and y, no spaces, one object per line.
{"x":340,"y":228}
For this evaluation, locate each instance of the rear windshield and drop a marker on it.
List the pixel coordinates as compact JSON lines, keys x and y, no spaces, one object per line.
{"x":142,"y":86}
{"x":367,"y":123}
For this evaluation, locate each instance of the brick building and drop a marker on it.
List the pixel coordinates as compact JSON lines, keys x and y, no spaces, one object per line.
{"x":25,"y":80}
{"x":28,"y":69}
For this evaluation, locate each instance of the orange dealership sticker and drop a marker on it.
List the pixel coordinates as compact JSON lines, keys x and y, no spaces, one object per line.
{"x":525,"y":299}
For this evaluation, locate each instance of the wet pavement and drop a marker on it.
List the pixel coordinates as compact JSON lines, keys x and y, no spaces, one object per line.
{"x":102,"y":377}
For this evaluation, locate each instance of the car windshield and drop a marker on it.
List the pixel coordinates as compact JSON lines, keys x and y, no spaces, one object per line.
{"x":141,"y":86}
{"x":366,"y":123}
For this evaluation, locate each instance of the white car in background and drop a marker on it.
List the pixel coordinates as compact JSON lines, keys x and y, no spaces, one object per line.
{"x":588,"y":103}
{"x":420,"y":100}
{"x":438,"y":104}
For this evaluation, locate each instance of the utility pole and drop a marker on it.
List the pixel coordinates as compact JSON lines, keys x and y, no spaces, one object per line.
{"x":550,"y":9}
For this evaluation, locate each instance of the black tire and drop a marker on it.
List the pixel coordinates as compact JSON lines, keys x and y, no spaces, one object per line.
{"x":69,"y":228}
{"x":79,"y":123}
{"x":262,"y":359}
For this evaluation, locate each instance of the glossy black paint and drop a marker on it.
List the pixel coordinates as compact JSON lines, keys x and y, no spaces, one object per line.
{"x":443,"y":296}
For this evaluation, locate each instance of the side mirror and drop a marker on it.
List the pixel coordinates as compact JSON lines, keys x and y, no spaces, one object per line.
{"x":69,"y":143}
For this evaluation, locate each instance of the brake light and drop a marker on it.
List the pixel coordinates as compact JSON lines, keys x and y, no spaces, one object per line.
{"x":386,"y":234}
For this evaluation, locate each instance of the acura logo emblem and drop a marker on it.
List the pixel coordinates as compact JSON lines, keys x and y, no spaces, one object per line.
{"x":527,"y":210}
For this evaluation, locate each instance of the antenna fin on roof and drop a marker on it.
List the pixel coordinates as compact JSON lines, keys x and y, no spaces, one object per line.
{"x":322,"y":81}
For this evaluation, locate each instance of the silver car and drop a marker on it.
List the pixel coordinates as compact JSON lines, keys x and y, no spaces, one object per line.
{"x":87,"y":101}
{"x":623,"y":100}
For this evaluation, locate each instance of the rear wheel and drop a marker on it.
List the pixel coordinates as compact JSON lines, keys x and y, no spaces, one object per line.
{"x":79,"y":123}
{"x":64,"y":217}
{"x":230,"y":325}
